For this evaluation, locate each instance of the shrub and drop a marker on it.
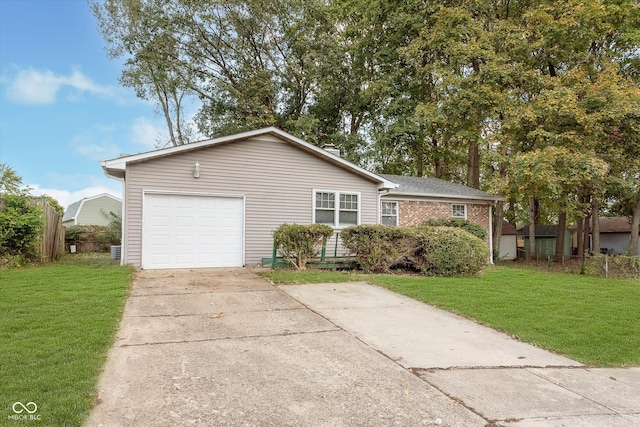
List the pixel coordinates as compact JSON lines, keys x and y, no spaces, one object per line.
{"x":448,"y":251}
{"x":621,"y":266}
{"x":467,"y":226}
{"x":96,"y":237}
{"x":378,"y":248}
{"x":299,"y":243}
{"x":21,"y":226}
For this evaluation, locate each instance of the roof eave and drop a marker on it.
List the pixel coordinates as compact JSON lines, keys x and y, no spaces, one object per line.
{"x":445,"y":196}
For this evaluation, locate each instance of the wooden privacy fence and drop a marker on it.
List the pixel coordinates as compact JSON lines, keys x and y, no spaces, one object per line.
{"x":53,"y":233}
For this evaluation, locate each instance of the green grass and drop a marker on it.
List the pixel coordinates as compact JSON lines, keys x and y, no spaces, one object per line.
{"x":57,"y":322}
{"x":593,"y":320}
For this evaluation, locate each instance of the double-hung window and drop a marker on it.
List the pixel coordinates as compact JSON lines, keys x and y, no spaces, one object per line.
{"x":336,"y":208}
{"x":389,"y":213}
{"x":459,"y":211}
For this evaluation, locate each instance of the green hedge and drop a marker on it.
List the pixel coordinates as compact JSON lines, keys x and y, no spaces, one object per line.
{"x":379,"y":247}
{"x":467,"y":226}
{"x":441,"y":251}
{"x":448,"y":251}
{"x":299,"y":243}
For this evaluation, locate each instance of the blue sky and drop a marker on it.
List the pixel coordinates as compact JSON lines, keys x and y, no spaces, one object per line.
{"x":62,"y":109}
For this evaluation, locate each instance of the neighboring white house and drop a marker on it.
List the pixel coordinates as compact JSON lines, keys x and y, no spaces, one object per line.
{"x":92,"y":210}
{"x":615,"y":235}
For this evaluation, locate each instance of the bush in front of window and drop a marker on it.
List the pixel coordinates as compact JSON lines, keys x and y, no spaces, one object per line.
{"x":449,"y":251}
{"x":467,"y":226}
{"x":298,"y":243}
{"x":378,"y":248}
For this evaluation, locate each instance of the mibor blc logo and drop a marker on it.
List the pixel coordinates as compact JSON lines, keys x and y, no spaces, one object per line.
{"x":22,"y":412}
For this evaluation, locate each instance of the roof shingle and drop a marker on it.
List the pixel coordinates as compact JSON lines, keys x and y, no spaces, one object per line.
{"x":421,"y":186}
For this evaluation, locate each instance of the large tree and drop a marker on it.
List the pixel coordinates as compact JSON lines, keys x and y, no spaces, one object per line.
{"x":419,"y":87}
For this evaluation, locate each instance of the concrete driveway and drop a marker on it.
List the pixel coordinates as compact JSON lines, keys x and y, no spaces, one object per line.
{"x":225,"y":347}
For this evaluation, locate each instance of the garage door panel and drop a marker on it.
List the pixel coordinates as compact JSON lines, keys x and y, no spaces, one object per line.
{"x":185,"y":221}
{"x":185,"y":202}
{"x":189,"y":231}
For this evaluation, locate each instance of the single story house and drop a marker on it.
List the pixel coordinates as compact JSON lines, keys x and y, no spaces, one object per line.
{"x":216,"y":203}
{"x":92,"y":210}
{"x":615,"y":235}
{"x":546,"y":240}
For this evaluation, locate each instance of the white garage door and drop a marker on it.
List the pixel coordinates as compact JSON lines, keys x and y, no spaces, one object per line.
{"x":192,"y":231}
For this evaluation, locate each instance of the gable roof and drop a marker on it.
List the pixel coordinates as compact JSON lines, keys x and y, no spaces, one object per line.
{"x":614,"y":224}
{"x":116,"y":168}
{"x":71,"y":213}
{"x":434,"y":187}
{"x":508,"y":229}
{"x":617,"y":224}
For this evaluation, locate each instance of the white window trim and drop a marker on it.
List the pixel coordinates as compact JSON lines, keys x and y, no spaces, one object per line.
{"x":336,"y":214}
{"x":459,"y":204}
{"x":397,"y":210}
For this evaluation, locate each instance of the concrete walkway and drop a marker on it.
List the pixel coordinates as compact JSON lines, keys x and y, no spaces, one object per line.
{"x":225,"y":347}
{"x":505,"y":381}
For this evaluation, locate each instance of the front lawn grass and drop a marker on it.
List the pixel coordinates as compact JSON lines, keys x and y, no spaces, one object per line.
{"x":590,"y":319}
{"x":57,"y":322}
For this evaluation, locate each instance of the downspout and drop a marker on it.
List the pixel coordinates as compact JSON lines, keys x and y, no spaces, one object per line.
{"x":491,"y":233}
{"x":123,"y":244}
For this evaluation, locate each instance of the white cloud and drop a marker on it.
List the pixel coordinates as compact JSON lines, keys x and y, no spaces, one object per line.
{"x":145,"y":133}
{"x":31,"y":86}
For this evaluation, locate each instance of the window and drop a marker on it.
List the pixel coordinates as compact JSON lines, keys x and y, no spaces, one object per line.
{"x":342,"y":214}
{"x":348,"y":214}
{"x":389,"y":213}
{"x":459,"y":211}
{"x":325,"y":208}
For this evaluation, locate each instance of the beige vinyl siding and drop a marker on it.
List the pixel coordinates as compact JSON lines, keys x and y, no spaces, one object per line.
{"x":276,"y":178}
{"x":91,"y":211}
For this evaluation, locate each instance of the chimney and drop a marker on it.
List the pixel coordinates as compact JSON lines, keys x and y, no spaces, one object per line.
{"x":331,"y":149}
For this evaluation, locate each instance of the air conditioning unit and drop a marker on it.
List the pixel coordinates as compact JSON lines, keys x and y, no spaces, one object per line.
{"x":116,"y":252}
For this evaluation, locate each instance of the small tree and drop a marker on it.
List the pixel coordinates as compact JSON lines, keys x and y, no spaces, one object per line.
{"x":299,"y":243}
{"x":21,"y":225}
{"x":21,"y":221}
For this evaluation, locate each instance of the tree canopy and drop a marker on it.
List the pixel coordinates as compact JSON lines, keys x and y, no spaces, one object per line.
{"x":536,"y":99}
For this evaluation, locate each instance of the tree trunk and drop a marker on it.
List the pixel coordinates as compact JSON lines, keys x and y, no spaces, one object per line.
{"x":532,"y":230}
{"x":580,"y":237}
{"x":587,"y":231}
{"x":419,"y":165}
{"x":473,"y":166}
{"x":595,"y":227}
{"x":635,"y":228}
{"x":562,"y":226}
{"x":437,"y":162}
{"x":536,"y":210}
{"x":498,"y":215}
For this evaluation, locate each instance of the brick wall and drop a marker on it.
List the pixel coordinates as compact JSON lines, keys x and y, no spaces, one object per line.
{"x":415,"y":212}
